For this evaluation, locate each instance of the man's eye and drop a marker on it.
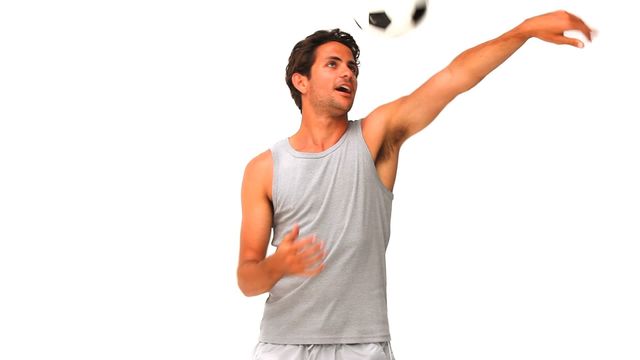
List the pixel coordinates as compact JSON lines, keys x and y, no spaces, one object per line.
{"x":331,"y":64}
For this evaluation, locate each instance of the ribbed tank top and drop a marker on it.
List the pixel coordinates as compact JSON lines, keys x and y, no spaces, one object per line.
{"x":337,"y":195}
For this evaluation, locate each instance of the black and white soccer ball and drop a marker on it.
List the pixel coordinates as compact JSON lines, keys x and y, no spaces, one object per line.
{"x":390,"y":18}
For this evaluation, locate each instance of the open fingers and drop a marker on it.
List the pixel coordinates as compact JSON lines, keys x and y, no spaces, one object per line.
{"x":580,"y":25}
{"x":314,"y":256}
{"x":311,"y":253}
{"x":575,"y":25}
{"x":305,"y":242}
{"x":560,"y":26}
{"x":314,"y":270}
{"x":311,"y":249}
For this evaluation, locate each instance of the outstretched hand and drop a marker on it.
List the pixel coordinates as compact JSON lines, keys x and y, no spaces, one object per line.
{"x":551,"y":27}
{"x":300,"y":256}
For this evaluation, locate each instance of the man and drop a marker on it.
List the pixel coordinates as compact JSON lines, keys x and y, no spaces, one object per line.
{"x":327,"y":190}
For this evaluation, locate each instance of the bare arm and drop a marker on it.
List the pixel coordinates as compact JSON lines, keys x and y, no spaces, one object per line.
{"x":258,"y":273}
{"x":387,"y":127}
{"x":417,"y":110}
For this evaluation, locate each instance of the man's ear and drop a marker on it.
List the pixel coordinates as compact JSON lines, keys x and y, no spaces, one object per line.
{"x":300,"y":82}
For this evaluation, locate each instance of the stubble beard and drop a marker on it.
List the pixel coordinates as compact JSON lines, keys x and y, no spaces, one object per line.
{"x":332,"y":106}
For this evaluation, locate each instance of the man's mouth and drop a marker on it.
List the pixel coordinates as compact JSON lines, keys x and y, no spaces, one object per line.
{"x":344,"y":89}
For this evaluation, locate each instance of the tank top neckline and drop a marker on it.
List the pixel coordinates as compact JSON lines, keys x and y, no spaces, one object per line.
{"x":321,"y":154}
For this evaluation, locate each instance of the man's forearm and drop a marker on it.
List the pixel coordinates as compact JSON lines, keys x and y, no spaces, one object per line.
{"x":472,"y":65}
{"x":258,"y":277}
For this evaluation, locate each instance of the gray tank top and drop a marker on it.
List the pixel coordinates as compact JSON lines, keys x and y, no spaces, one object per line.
{"x":337,"y":195}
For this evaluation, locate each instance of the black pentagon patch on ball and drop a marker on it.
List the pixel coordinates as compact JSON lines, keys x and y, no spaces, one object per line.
{"x":418,"y":13}
{"x":379,"y":19}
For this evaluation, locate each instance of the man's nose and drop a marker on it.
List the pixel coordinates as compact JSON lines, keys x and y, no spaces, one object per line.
{"x":347,"y":73}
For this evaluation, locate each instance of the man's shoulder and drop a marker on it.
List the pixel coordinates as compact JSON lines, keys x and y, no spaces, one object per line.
{"x":258,"y":174}
{"x":260,"y":164}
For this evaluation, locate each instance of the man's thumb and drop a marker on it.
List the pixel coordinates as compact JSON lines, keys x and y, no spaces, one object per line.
{"x":293,"y":234}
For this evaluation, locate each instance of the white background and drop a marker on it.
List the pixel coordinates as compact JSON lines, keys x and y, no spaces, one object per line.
{"x":125,"y":127}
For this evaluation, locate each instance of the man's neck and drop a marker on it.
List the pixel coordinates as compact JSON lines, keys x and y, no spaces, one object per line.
{"x":318,"y":134}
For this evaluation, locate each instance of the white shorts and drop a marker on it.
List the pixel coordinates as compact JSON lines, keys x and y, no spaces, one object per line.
{"x":366,"y":351}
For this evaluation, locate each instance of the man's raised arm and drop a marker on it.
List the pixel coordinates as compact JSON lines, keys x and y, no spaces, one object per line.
{"x":410,"y":114}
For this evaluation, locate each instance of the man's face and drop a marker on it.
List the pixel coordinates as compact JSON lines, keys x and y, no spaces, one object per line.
{"x":333,"y":81}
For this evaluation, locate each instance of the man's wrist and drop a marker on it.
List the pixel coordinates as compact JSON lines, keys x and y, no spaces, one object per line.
{"x":273,"y":267}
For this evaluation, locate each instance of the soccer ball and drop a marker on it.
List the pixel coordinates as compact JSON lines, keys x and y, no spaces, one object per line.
{"x":390,"y":17}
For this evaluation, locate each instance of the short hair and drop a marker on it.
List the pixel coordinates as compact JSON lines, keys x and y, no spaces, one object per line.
{"x":304,"y":53}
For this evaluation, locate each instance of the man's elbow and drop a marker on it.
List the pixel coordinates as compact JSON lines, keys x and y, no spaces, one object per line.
{"x":246,"y":286}
{"x":249,"y":291}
